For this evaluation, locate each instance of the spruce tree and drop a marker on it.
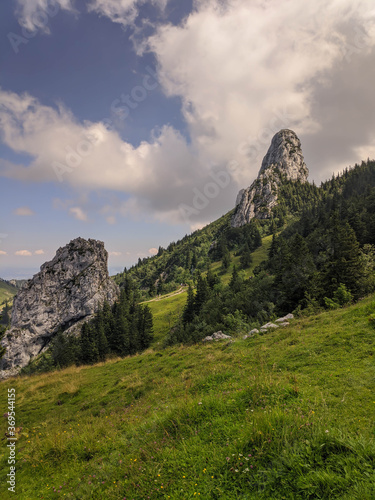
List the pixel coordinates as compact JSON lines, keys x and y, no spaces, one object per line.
{"x":246,"y":257}
{"x":202,"y":293}
{"x":189,"y":310}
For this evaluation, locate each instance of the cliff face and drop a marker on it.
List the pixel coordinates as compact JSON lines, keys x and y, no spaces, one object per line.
{"x":67,"y":291}
{"x":284,"y":160}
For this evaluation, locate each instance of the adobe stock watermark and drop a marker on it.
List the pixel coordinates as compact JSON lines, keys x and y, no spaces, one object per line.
{"x":122,"y":107}
{"x":11,"y":438}
{"x":211,"y":190}
{"x":253,"y":146}
{"x":358,"y":43}
{"x":40,"y":20}
{"x":250,"y":149}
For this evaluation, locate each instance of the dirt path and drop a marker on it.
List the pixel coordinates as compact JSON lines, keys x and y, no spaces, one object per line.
{"x":172,"y":294}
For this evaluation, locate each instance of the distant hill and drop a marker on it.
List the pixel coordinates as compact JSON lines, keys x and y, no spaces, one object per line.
{"x":7,"y":291}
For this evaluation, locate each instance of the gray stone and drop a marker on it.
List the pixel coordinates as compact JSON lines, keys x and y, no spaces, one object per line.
{"x":254,"y":331}
{"x":66,"y":292}
{"x":216,"y":336}
{"x":284,"y":324}
{"x":284,"y":160}
{"x":269,"y":325}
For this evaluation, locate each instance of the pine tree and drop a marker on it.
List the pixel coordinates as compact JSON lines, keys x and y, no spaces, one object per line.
{"x":235,"y":281}
{"x":103,"y":348}
{"x":189,"y":310}
{"x":246,"y":257}
{"x":202,"y":293}
{"x":344,"y":265}
{"x":146,"y":327}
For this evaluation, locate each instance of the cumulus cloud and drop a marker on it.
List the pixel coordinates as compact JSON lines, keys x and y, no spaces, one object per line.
{"x":35,"y":14}
{"x":242,"y":70}
{"x":111,"y":219}
{"x":115,"y":254}
{"x":246,"y":69}
{"x":2,"y":252}
{"x":39,"y":252}
{"x":153,"y":251}
{"x":123,"y":12}
{"x":158,"y":175}
{"x":23,"y":211}
{"x":23,"y":253}
{"x":78,"y":213}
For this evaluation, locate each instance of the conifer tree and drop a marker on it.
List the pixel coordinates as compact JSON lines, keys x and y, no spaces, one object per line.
{"x":189,"y":310}
{"x":246,"y":257}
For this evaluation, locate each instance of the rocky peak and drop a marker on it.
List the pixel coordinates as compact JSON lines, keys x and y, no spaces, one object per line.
{"x":67,"y":291}
{"x":284,"y":160}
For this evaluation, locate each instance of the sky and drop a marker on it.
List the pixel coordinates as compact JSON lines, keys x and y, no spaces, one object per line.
{"x":136,"y":122}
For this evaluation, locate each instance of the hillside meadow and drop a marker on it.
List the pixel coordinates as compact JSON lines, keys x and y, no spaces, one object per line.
{"x":286,"y":415}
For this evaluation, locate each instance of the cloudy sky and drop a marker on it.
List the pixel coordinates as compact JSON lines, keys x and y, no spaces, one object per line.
{"x":137,"y":121}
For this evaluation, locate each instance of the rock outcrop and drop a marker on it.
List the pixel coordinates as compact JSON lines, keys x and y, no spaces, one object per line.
{"x":284,"y":160}
{"x":216,"y":336}
{"x":67,"y":291}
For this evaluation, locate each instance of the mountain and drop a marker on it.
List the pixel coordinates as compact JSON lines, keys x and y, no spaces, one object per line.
{"x":283,"y":162}
{"x":7,"y":290}
{"x":67,"y":291}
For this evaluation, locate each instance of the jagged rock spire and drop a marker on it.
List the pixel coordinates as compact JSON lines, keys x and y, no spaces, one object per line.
{"x":284,"y":160}
{"x":67,"y":291}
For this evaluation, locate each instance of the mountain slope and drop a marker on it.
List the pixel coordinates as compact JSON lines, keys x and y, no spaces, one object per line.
{"x":7,"y":291}
{"x":285,"y":415}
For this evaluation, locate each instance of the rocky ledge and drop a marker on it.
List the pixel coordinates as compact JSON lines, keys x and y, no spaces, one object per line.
{"x":283,"y":161}
{"x":67,"y":291}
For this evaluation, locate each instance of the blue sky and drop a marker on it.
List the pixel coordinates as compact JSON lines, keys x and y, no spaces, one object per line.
{"x":137,"y":121}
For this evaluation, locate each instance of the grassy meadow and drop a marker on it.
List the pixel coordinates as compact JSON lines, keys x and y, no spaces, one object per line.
{"x":286,"y":415}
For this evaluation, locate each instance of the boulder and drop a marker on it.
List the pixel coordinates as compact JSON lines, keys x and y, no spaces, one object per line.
{"x":216,"y":336}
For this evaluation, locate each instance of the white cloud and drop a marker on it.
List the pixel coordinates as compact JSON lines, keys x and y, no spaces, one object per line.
{"x":78,"y":213}
{"x":2,"y":252}
{"x":35,"y":14}
{"x":39,"y":252}
{"x":23,"y":253}
{"x":158,"y":175}
{"x":115,"y":254}
{"x":123,"y":12}
{"x":243,"y":70}
{"x":111,"y":219}
{"x":238,"y":66}
{"x":23,"y":211}
{"x":153,"y":251}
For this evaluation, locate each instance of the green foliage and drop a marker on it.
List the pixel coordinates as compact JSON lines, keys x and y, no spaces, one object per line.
{"x":124,"y":329}
{"x":291,"y":411}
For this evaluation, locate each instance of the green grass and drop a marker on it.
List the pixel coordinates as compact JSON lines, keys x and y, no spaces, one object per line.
{"x":259,"y":255}
{"x":7,"y":291}
{"x":166,"y":311}
{"x":287,"y":415}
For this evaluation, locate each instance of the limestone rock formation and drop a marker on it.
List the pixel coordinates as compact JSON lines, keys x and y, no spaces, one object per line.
{"x":67,"y":291}
{"x":216,"y":336}
{"x":284,"y":160}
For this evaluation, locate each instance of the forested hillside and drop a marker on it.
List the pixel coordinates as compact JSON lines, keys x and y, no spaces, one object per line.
{"x":321,"y":256}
